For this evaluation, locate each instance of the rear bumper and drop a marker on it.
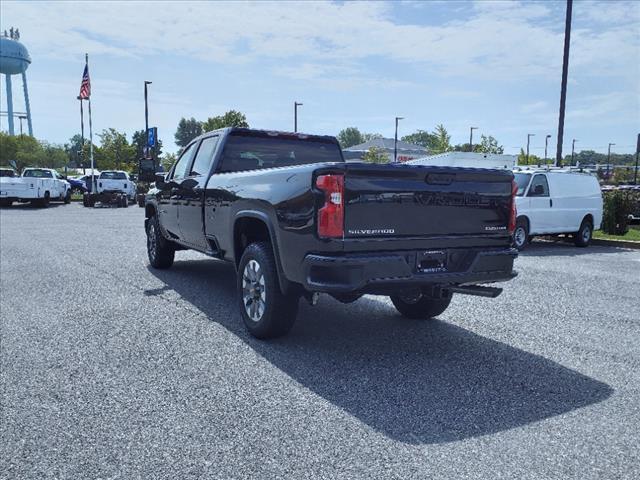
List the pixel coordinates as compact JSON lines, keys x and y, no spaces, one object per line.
{"x":389,"y":272}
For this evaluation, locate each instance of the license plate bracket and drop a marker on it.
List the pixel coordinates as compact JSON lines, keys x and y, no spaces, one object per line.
{"x":430,"y":261}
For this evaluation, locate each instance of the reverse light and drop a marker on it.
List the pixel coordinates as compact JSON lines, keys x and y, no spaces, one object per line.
{"x":331,"y":215}
{"x":513,"y":213}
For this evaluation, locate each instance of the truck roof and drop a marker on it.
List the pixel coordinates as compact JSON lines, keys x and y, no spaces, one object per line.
{"x":270,"y":133}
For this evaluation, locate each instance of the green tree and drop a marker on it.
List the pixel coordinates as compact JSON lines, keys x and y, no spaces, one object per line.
{"x":488,"y":144}
{"x":167,"y":161}
{"x":422,"y":138}
{"x":8,"y":149}
{"x":188,"y":129}
{"x":139,"y":140}
{"x":349,"y":137}
{"x":375,"y":155}
{"x":116,"y":152}
{"x":443,"y":140}
{"x":533,"y":159}
{"x":366,"y":137}
{"x":232,"y":118}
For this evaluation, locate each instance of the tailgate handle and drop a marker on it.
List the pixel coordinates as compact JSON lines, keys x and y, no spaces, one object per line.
{"x":440,"y":178}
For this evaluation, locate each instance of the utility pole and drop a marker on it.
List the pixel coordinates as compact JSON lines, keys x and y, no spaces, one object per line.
{"x":395,"y":141}
{"x":609,"y":158}
{"x":295,"y":115}
{"x":563,"y":87}
{"x":529,"y":135}
{"x":471,"y":138}
{"x":546,"y":141}
{"x":573,"y":150}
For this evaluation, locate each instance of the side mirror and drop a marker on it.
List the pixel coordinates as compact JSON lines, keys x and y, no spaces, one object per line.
{"x":159,"y":179}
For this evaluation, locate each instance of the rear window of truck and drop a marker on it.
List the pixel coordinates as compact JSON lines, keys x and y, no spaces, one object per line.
{"x":113,"y":176}
{"x":37,"y":173}
{"x":246,"y":152}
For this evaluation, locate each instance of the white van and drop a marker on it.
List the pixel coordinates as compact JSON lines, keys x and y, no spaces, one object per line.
{"x":552,"y":202}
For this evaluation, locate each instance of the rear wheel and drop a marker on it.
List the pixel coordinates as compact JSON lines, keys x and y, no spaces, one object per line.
{"x":583,"y":237}
{"x":42,"y":202}
{"x":419,"y":306}
{"x":67,"y":197}
{"x":265,"y":310}
{"x":521,"y":234}
{"x":160,"y":251}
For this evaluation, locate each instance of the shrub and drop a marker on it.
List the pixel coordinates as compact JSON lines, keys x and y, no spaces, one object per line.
{"x":617,"y":207}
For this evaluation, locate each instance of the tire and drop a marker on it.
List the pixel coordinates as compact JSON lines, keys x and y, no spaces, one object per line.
{"x":125,"y":201}
{"x":42,"y":202}
{"x":85,"y":200}
{"x":160,"y":251}
{"x":265,"y":310}
{"x":582,"y":238}
{"x":420,"y":306}
{"x":67,"y":197}
{"x":521,"y":234}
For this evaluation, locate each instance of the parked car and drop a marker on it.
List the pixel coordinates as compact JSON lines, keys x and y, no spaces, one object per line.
{"x":297,"y":221}
{"x":553,"y":202}
{"x":77,"y":185}
{"x":36,"y":185}
{"x":114,"y":187}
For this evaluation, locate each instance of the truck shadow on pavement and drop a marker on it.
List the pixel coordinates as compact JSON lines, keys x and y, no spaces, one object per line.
{"x":417,"y":382}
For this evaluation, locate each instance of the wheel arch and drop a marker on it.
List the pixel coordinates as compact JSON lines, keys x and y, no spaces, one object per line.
{"x":250,"y":226}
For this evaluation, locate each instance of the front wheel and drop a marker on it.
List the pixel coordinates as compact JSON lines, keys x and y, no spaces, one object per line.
{"x":160,"y":251}
{"x":419,"y":306}
{"x":265,"y":310}
{"x":583,"y":237}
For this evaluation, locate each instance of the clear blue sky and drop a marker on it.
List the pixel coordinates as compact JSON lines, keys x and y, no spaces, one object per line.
{"x":494,"y":65}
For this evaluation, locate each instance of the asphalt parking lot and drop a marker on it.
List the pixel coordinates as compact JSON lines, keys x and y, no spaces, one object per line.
{"x":112,"y":370}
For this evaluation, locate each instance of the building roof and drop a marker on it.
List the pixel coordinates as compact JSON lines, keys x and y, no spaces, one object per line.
{"x":386,"y":144}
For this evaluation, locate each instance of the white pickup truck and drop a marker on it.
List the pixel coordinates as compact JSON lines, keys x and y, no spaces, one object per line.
{"x":114,"y":188}
{"x":38,"y":186}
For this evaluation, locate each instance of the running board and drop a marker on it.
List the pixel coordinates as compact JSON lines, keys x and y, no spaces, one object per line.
{"x":489,"y":292}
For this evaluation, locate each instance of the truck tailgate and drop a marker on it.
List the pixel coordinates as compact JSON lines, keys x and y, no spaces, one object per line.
{"x":423,"y":201}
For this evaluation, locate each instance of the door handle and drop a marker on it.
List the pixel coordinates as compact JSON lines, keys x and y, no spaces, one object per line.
{"x":550,"y":202}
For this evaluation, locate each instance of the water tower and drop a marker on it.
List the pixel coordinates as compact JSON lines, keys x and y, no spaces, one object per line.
{"x":14,"y":60}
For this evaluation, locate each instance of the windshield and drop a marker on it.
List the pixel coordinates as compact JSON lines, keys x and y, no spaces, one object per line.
{"x":255,"y":151}
{"x":522,"y":179}
{"x":37,"y":173}
{"x":113,"y":176}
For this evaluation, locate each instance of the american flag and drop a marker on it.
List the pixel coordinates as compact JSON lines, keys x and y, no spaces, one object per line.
{"x":85,"y":87}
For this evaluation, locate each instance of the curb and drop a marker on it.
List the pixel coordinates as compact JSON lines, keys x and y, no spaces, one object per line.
{"x":616,"y":243}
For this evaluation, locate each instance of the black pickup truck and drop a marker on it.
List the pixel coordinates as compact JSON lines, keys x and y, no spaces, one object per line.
{"x":296,"y":220}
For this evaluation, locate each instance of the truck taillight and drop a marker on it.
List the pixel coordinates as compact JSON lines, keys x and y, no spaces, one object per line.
{"x":513,"y":213}
{"x":331,"y":215}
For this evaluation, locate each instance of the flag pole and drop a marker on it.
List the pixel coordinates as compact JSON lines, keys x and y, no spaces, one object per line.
{"x":93,"y":178}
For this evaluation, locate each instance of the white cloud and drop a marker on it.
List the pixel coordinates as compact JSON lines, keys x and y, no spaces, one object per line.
{"x":500,"y":39}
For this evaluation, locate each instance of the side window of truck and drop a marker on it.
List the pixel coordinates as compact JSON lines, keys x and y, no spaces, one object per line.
{"x":204,"y":157}
{"x":182,"y":165}
{"x":539,"y":187}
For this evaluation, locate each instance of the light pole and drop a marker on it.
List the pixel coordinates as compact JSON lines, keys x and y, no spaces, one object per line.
{"x":471,"y":138}
{"x":609,"y":157}
{"x":563,"y":85}
{"x":146,"y":119}
{"x":573,"y":150}
{"x":395,"y":141}
{"x":635,"y":173}
{"x":529,"y":135}
{"x":295,"y":115}
{"x":21,"y":117}
{"x":546,"y":141}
